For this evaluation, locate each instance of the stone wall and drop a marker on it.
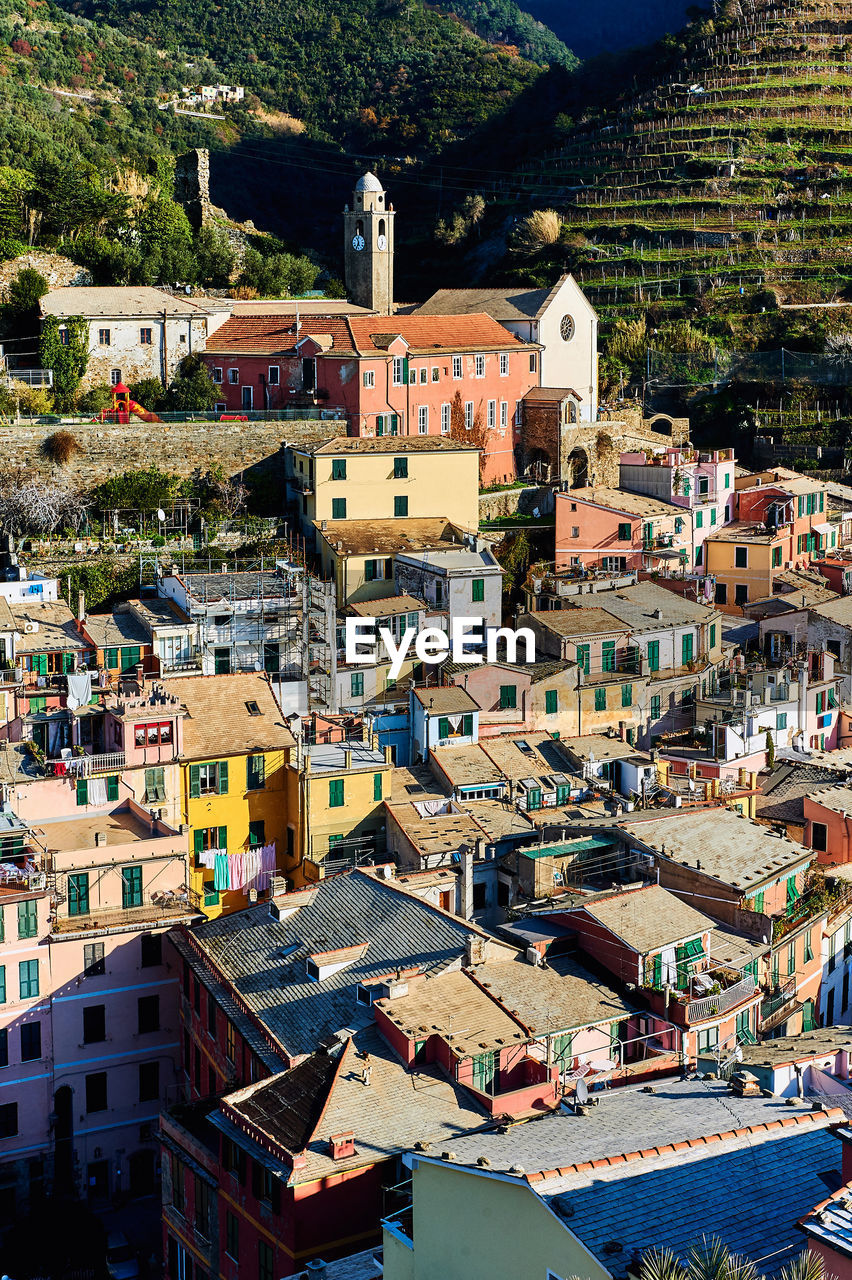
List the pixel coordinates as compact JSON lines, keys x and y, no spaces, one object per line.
{"x":509,"y":502}
{"x":57,"y":270}
{"x":106,"y":449}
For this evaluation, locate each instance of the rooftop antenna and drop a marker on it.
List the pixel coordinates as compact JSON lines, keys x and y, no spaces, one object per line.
{"x":581,"y":1094}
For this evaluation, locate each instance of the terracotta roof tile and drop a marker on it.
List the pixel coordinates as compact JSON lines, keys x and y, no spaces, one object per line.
{"x":425,"y":334}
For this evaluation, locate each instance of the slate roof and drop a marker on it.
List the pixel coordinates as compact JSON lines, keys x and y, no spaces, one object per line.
{"x":387,"y":606}
{"x":246,"y":949}
{"x":563,"y":997}
{"x":512,"y":303}
{"x":219,"y":722}
{"x":586,"y":620}
{"x":625,"y":1119}
{"x":830,"y":1223}
{"x":121,"y":301}
{"x":105,"y":630}
{"x":636,"y":605}
{"x":391,"y":537}
{"x":838,"y":798}
{"x":57,"y":627}
{"x":784,"y":790}
{"x":647,"y":918}
{"x":542,"y":758}
{"x":789,"y":1049}
{"x":441,"y":833}
{"x":389,"y":444}
{"x":445,"y":700}
{"x":620,"y":500}
{"x":730,"y":848}
{"x":290,"y":1104}
{"x":748,"y":1191}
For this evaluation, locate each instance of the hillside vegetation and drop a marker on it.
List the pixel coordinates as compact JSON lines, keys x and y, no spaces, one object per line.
{"x":611,"y":24}
{"x":359,"y":72}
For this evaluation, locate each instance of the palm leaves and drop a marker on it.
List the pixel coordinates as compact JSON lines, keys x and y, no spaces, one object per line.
{"x":712,"y":1260}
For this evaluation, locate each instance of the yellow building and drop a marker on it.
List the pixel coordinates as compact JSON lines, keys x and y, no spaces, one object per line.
{"x":233,"y":786}
{"x":360,"y":555}
{"x":388,"y":478}
{"x":335,"y":791}
{"x":745,"y":563}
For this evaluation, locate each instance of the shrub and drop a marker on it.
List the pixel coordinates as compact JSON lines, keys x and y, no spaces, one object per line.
{"x":60,"y":448}
{"x":541,"y":228}
{"x":32,"y":400}
{"x":149,"y":392}
{"x":96,"y":398}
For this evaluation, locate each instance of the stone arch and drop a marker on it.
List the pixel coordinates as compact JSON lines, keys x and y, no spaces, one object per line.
{"x":578,"y":467}
{"x":662,"y":423}
{"x":539,"y":466}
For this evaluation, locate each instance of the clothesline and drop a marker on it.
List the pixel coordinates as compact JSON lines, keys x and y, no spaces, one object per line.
{"x":250,"y":868}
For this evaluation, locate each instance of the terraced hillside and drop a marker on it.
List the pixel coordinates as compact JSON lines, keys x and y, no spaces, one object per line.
{"x":729,"y":176}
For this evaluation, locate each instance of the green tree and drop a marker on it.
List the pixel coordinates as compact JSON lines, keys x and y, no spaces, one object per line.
{"x":165,"y":240}
{"x":67,"y":354}
{"x":141,"y":490}
{"x":23,"y":297}
{"x":278,"y":275}
{"x":770,"y":750}
{"x":214,"y":256}
{"x":193,"y":388}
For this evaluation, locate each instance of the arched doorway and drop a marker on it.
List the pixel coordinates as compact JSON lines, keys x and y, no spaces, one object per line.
{"x":539,"y":467}
{"x":577,"y":468}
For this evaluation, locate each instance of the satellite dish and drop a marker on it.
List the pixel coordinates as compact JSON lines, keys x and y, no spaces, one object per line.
{"x":581,"y":1092}
{"x":161,"y":515}
{"x":258,"y":666}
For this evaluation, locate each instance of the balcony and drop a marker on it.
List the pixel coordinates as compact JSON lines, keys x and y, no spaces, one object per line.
{"x":166,"y":907}
{"x":723,"y":1001}
{"x":87,"y":766}
{"x":778,"y":1006}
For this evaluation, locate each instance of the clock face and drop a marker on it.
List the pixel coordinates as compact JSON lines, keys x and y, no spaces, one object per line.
{"x":358,"y":242}
{"x":382,"y":242}
{"x":566,"y":328}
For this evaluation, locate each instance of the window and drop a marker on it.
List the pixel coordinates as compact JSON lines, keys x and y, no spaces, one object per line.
{"x":335,"y":793}
{"x":149,"y":735}
{"x":400,"y":505}
{"x":338,"y":508}
{"x":491,"y":415}
{"x":740,"y":593}
{"x":819,"y":836}
{"x":155,"y":785}
{"x":436,"y":373}
{"x":457,"y":366}
{"x":479,"y":366}
{"x":148,"y":1014}
{"x":653,"y":655}
{"x":424,"y":376}
{"x":655,"y":707}
{"x":624,"y":533}
{"x":78,"y":894}
{"x":809,"y":949}
{"x":30,"y":1041}
{"x":627,"y":695}
{"x":776,"y":557}
{"x":151,"y":945}
{"x":477,"y":590}
{"x":445,"y":419}
{"x":93,"y":960}
{"x":338,"y":468}
{"x":741,"y":557}
{"x":255,"y":773}
{"x":504,"y":365}
{"x":8,"y":1120}
{"x":504,"y":414}
{"x":149,"y":1081}
{"x":708,"y":1040}
{"x":533,"y":364}
{"x":217,"y":375}
{"x":103,"y":337}
{"x":423,"y":419}
{"x":608,"y":655}
{"x":468,"y":414}
{"x":202,"y":1209}
{"x":28,"y":918}
{"x":232,"y":1237}
{"x":234,"y":377}
{"x":551,"y":702}
{"x":412,"y":377}
{"x":377,"y":786}
{"x":4,"y":1047}
{"x":791,"y":958}
{"x":600,"y":699}
{"x":781,"y":720}
{"x":96,"y":1091}
{"x":356,"y":684}
{"x":400,"y":468}
{"x":508,"y":697}
{"x":369,"y":378}
{"x":94,"y":1023}
{"x":131,"y":887}
{"x":399,"y":371}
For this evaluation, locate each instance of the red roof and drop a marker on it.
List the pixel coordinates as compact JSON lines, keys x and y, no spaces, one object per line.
{"x":360,"y":335}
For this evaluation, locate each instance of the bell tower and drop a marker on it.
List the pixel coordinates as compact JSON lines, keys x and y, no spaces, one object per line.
{"x":368,"y":246}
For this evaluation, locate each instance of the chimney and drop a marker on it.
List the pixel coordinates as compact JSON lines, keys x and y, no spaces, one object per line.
{"x":81,"y":606}
{"x":466,"y":859}
{"x":347,"y":759}
{"x":388,"y":756}
{"x":316,"y":1269}
{"x":342,"y":1145}
{"x":100,"y":839}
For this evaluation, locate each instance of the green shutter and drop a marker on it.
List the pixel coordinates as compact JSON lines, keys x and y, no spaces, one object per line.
{"x":222,"y":776}
{"x":112,"y":787}
{"x":443,"y":727}
{"x":2,"y":984}
{"x":551,"y":701}
{"x":467,"y":726}
{"x":111,"y":658}
{"x":194,"y":781}
{"x":40,"y":664}
{"x":197,"y":844}
{"x":377,"y":786}
{"x":335,"y":793}
{"x":67,"y":662}
{"x":223,"y":837}
{"x":82,"y":791}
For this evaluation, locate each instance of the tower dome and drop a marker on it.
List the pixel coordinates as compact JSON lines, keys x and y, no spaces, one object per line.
{"x":368,"y":182}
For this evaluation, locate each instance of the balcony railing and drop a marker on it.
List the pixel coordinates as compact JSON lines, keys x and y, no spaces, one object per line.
{"x":87,"y":766}
{"x":160,"y":906}
{"x":779,"y":999}
{"x":723,"y":1001}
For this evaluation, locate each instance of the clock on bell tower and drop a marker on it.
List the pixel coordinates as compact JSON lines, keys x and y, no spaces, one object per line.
{"x":368,"y":246}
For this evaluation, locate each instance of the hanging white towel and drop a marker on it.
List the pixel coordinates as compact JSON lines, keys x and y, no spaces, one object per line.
{"x":97,"y":791}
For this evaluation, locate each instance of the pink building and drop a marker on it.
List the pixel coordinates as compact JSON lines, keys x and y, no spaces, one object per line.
{"x":700,"y":483}
{"x":90,"y":1019}
{"x":615,"y":531}
{"x":399,"y":375}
